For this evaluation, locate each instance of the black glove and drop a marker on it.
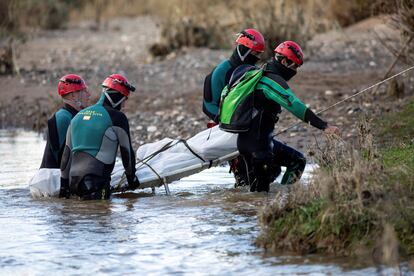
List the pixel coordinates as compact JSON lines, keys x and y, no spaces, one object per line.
{"x":134,"y":184}
{"x":64,"y":188}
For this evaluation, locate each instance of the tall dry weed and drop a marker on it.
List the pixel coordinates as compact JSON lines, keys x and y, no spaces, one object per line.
{"x":277,"y":20}
{"x":351,"y":175}
{"x":339,"y":209}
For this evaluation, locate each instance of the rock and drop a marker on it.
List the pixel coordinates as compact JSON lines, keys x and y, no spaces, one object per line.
{"x":151,"y":128}
{"x":171,"y":55}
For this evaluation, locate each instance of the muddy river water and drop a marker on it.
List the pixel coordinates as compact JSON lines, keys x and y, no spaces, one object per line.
{"x":204,"y":228}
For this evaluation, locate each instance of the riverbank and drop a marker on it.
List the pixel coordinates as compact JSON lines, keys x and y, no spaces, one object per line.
{"x":360,"y":201}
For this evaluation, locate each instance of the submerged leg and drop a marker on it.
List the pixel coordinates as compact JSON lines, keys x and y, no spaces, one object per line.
{"x":94,"y":188}
{"x":239,"y":167}
{"x":293,"y":160}
{"x":263,"y":170}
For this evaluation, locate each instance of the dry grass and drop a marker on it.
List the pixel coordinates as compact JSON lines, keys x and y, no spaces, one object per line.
{"x":216,"y":24}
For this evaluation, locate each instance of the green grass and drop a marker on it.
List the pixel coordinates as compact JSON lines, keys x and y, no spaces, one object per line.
{"x":320,"y":226}
{"x":396,"y":134}
{"x":397,"y":157}
{"x":397,"y":128}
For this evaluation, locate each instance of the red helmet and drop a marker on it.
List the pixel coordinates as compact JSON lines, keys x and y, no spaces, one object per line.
{"x":118,"y":83}
{"x":70,"y":83}
{"x":252,"y":39}
{"x":291,"y":51}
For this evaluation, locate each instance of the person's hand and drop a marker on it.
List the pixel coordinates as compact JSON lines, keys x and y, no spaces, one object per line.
{"x":64,"y":188}
{"x":211,"y":124}
{"x":332,"y":131}
{"x":134,"y":184}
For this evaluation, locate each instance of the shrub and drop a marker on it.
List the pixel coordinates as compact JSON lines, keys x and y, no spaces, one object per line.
{"x":17,"y":16}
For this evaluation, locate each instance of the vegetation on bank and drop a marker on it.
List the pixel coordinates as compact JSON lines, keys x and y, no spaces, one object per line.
{"x":361,"y":199}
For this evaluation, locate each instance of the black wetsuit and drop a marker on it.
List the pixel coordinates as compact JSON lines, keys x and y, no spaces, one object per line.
{"x":263,"y":153}
{"x":91,"y":147}
{"x":57,"y":127}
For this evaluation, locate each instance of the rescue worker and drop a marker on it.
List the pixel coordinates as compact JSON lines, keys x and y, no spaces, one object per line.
{"x":265,"y":154}
{"x":75,"y":96}
{"x":249,"y":45}
{"x":92,"y":142}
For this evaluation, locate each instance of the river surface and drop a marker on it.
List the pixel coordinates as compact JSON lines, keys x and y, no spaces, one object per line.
{"x":204,"y":228}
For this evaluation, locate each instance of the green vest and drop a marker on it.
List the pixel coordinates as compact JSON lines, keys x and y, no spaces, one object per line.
{"x":89,"y":127}
{"x":237,"y":104}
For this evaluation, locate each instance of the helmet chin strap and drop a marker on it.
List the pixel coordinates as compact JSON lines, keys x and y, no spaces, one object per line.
{"x":114,"y":105}
{"x":242,"y":57}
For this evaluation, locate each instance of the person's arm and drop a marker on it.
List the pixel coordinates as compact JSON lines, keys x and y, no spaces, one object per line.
{"x":217,"y":84}
{"x":276,"y":89}
{"x":213,"y":86}
{"x":314,"y":120}
{"x":49,"y":159}
{"x":63,"y":119}
{"x":121,"y":128}
{"x":65,"y":166}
